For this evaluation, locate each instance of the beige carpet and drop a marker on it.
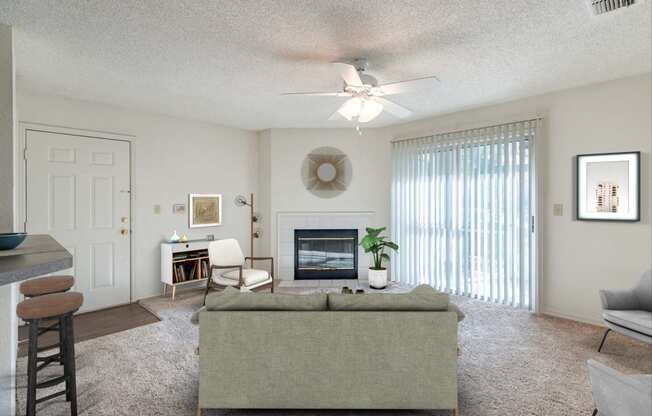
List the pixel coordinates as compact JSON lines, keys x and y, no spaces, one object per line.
{"x":513,"y":363}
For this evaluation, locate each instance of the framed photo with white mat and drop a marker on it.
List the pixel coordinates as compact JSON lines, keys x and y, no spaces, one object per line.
{"x":609,"y":186}
{"x":204,"y":210}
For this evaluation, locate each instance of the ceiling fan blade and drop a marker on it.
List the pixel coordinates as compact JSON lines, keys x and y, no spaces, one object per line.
{"x":349,"y":74}
{"x":393,"y":108}
{"x":335,"y":116}
{"x":320,"y":94}
{"x":400,"y":87}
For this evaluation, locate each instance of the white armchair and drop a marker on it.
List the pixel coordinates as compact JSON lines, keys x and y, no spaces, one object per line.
{"x":617,"y":394}
{"x":226,"y":254}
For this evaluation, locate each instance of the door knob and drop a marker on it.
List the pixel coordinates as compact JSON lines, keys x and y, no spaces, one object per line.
{"x":124,"y":231}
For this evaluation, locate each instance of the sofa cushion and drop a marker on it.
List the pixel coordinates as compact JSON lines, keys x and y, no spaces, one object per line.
{"x":231,"y":299}
{"x":422,"y":298}
{"x":250,"y":276}
{"x":639,"y":321}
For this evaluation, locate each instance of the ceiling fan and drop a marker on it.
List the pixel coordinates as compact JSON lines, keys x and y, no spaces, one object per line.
{"x":366,"y":97}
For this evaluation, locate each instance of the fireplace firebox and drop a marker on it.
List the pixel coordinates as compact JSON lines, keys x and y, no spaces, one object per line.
{"x":325,"y":254}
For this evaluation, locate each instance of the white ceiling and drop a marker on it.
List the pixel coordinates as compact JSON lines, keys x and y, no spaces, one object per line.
{"x":228,"y":61}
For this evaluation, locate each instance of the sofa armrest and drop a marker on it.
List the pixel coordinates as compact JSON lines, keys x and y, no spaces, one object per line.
{"x":619,"y":299}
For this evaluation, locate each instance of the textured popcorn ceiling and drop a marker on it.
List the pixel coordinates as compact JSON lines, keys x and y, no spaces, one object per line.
{"x":228,"y":61}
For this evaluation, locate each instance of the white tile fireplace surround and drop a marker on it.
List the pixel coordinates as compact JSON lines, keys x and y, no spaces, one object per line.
{"x":287,"y":222}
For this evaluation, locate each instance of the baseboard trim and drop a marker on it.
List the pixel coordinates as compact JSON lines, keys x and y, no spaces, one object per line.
{"x":557,"y":314}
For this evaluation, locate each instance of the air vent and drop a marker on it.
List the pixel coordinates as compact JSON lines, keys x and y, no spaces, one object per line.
{"x":605,"y":6}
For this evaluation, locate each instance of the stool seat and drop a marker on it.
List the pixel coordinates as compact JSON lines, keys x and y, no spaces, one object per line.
{"x":46,"y":285}
{"x":48,"y":306}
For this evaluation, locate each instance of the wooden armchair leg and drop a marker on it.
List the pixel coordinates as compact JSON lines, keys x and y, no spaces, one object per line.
{"x":208,"y":287}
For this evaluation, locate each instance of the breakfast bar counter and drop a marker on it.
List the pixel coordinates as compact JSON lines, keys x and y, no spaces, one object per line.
{"x":37,"y":255}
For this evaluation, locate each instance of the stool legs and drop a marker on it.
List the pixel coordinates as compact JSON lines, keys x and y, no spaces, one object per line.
{"x":66,"y":357}
{"x":71,"y":379}
{"x":62,"y":352}
{"x":31,"y":367}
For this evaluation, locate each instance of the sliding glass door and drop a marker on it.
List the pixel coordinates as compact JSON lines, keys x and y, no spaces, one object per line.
{"x":463,"y":212}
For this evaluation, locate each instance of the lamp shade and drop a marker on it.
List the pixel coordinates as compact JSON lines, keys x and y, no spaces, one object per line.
{"x":370,"y":110}
{"x":351,"y":108}
{"x":360,"y":108}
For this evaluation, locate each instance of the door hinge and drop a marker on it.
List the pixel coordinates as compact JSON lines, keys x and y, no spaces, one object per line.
{"x":25,"y":153}
{"x":532,"y":223}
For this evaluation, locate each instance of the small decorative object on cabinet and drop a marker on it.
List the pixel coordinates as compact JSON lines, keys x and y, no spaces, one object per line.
{"x":183,"y":263}
{"x":608,"y":187}
{"x":376,"y":244}
{"x":174,"y":238}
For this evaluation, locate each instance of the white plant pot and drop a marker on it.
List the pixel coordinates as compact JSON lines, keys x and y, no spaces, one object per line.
{"x":378,"y":278}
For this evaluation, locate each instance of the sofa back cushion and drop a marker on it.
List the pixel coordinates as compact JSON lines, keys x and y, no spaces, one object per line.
{"x":231,"y":299}
{"x":422,"y":298}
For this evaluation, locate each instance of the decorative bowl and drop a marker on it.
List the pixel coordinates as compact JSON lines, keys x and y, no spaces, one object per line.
{"x":9,"y":241}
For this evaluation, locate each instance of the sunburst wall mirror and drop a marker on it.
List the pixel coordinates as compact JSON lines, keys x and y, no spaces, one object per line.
{"x":326,"y":172}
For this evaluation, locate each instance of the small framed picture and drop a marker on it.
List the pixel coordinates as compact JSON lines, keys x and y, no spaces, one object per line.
{"x":608,"y":186}
{"x":204,"y":210}
{"x":179,"y":208}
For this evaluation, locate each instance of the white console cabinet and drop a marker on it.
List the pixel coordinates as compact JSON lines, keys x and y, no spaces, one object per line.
{"x":184,"y":263}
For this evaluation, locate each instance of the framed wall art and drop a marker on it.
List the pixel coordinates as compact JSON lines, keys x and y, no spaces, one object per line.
{"x":204,"y":210}
{"x":608,"y":186}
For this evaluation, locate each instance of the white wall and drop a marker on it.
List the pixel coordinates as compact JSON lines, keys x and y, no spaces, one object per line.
{"x":8,"y":323}
{"x":370,"y":183}
{"x":263,"y":196}
{"x":7,"y":103}
{"x":173,"y":158}
{"x":579,"y":257}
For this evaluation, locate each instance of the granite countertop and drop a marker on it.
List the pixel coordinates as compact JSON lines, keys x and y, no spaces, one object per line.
{"x":37,"y":255}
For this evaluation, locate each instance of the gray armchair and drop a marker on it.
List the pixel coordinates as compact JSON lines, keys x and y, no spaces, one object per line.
{"x":616,"y":394}
{"x":629,"y":311}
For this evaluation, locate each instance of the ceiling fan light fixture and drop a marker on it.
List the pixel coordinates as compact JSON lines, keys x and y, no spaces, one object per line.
{"x":351,"y":108}
{"x":370,"y":110}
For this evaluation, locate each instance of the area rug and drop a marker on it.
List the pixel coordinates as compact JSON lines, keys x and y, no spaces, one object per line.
{"x":512,"y":363}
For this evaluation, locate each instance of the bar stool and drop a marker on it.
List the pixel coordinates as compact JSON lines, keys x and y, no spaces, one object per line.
{"x":46,"y":285}
{"x":60,"y":308}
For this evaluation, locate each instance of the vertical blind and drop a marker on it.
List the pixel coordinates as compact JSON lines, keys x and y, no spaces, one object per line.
{"x":461,"y":210}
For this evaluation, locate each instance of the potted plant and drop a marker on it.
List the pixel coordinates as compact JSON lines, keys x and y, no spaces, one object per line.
{"x":376,"y":244}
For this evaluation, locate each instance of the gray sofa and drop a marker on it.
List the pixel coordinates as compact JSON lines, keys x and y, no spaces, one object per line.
{"x":629,"y":311}
{"x":318,"y":351}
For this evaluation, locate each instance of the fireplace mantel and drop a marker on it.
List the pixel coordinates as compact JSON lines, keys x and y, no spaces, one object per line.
{"x":287,"y":222}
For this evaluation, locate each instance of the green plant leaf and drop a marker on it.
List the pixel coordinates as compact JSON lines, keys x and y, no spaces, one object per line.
{"x":374,"y":232}
{"x":391,"y":245}
{"x":368,"y":243}
{"x":385,"y":256}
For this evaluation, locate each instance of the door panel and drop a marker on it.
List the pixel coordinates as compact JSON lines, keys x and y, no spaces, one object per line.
{"x":78,"y":191}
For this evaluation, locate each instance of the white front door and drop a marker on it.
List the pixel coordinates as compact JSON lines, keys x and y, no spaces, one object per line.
{"x":78,"y":191}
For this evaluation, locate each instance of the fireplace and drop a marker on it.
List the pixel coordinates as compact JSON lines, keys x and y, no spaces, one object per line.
{"x":325,"y":254}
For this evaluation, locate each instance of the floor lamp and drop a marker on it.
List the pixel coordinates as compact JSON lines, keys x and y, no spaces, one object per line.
{"x":241,"y":201}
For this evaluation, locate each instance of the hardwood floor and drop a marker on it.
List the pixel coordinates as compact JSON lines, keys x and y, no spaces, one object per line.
{"x":96,"y":324}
